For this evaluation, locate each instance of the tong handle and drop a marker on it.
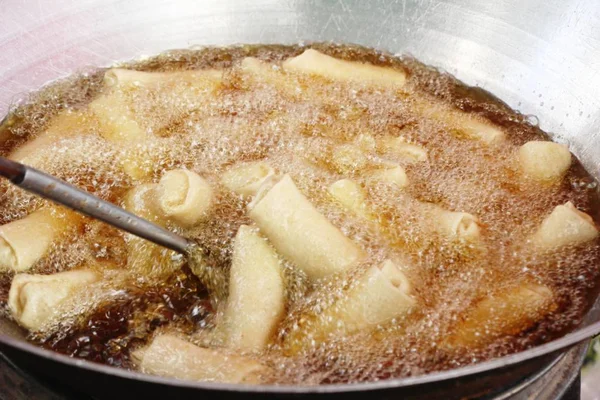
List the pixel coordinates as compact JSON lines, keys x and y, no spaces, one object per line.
{"x":12,"y":170}
{"x":60,"y":192}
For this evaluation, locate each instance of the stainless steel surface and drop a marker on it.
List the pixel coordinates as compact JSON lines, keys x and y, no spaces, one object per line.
{"x":551,"y":383}
{"x":541,"y":57}
{"x":529,"y":382}
{"x":11,"y":170}
{"x":554,"y":382}
{"x":68,"y":195}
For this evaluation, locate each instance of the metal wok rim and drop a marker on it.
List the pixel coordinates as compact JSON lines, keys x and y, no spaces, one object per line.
{"x":562,"y":343}
{"x":506,"y":361}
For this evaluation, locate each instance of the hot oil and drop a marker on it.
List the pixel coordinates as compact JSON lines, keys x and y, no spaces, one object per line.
{"x":126,"y":321}
{"x":295,"y":131}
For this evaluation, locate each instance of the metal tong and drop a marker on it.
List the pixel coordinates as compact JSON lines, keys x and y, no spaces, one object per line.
{"x":60,"y":192}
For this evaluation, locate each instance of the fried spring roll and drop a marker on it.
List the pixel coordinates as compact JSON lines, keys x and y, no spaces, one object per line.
{"x":120,"y":123}
{"x":380,"y":295}
{"x":299,"y":232}
{"x":245,"y":179}
{"x":65,"y":124}
{"x":184,"y":196}
{"x":565,"y":226}
{"x":405,"y":151}
{"x":351,"y":196}
{"x":315,"y":63}
{"x":256,"y":292}
{"x":25,"y":241}
{"x":452,"y":224}
{"x":544,"y":161}
{"x":462,"y":124}
{"x":32,"y":299}
{"x":393,"y":175}
{"x":348,"y":159}
{"x":172,"y":357}
{"x":507,"y":312}
{"x":144,"y":257}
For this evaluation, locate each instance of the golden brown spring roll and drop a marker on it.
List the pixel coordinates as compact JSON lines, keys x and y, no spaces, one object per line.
{"x":256,"y":292}
{"x":141,"y":200}
{"x":25,"y":241}
{"x":173,"y":357}
{"x":144,"y":257}
{"x":544,"y":161}
{"x":257,"y":71}
{"x":118,"y":122}
{"x":245,"y":179}
{"x":65,"y":124}
{"x":565,"y":226}
{"x":114,"y":109}
{"x":17,"y":251}
{"x":184,"y":196}
{"x":390,"y":172}
{"x":131,"y":78}
{"x":32,"y":299}
{"x":299,"y":232}
{"x":118,"y":125}
{"x":462,"y":124}
{"x":507,"y":312}
{"x":381,"y":294}
{"x":348,"y":159}
{"x":452,"y":224}
{"x":316,"y":63}
{"x":399,"y":147}
{"x":476,"y":129}
{"x":395,"y":175}
{"x":366,"y":142}
{"x":351,"y":196}
{"x":190,"y":86}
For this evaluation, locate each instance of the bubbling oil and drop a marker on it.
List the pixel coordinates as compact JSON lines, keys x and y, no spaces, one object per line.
{"x":246,"y":120}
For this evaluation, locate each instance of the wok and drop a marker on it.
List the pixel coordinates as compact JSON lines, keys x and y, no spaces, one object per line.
{"x":541,"y":57}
